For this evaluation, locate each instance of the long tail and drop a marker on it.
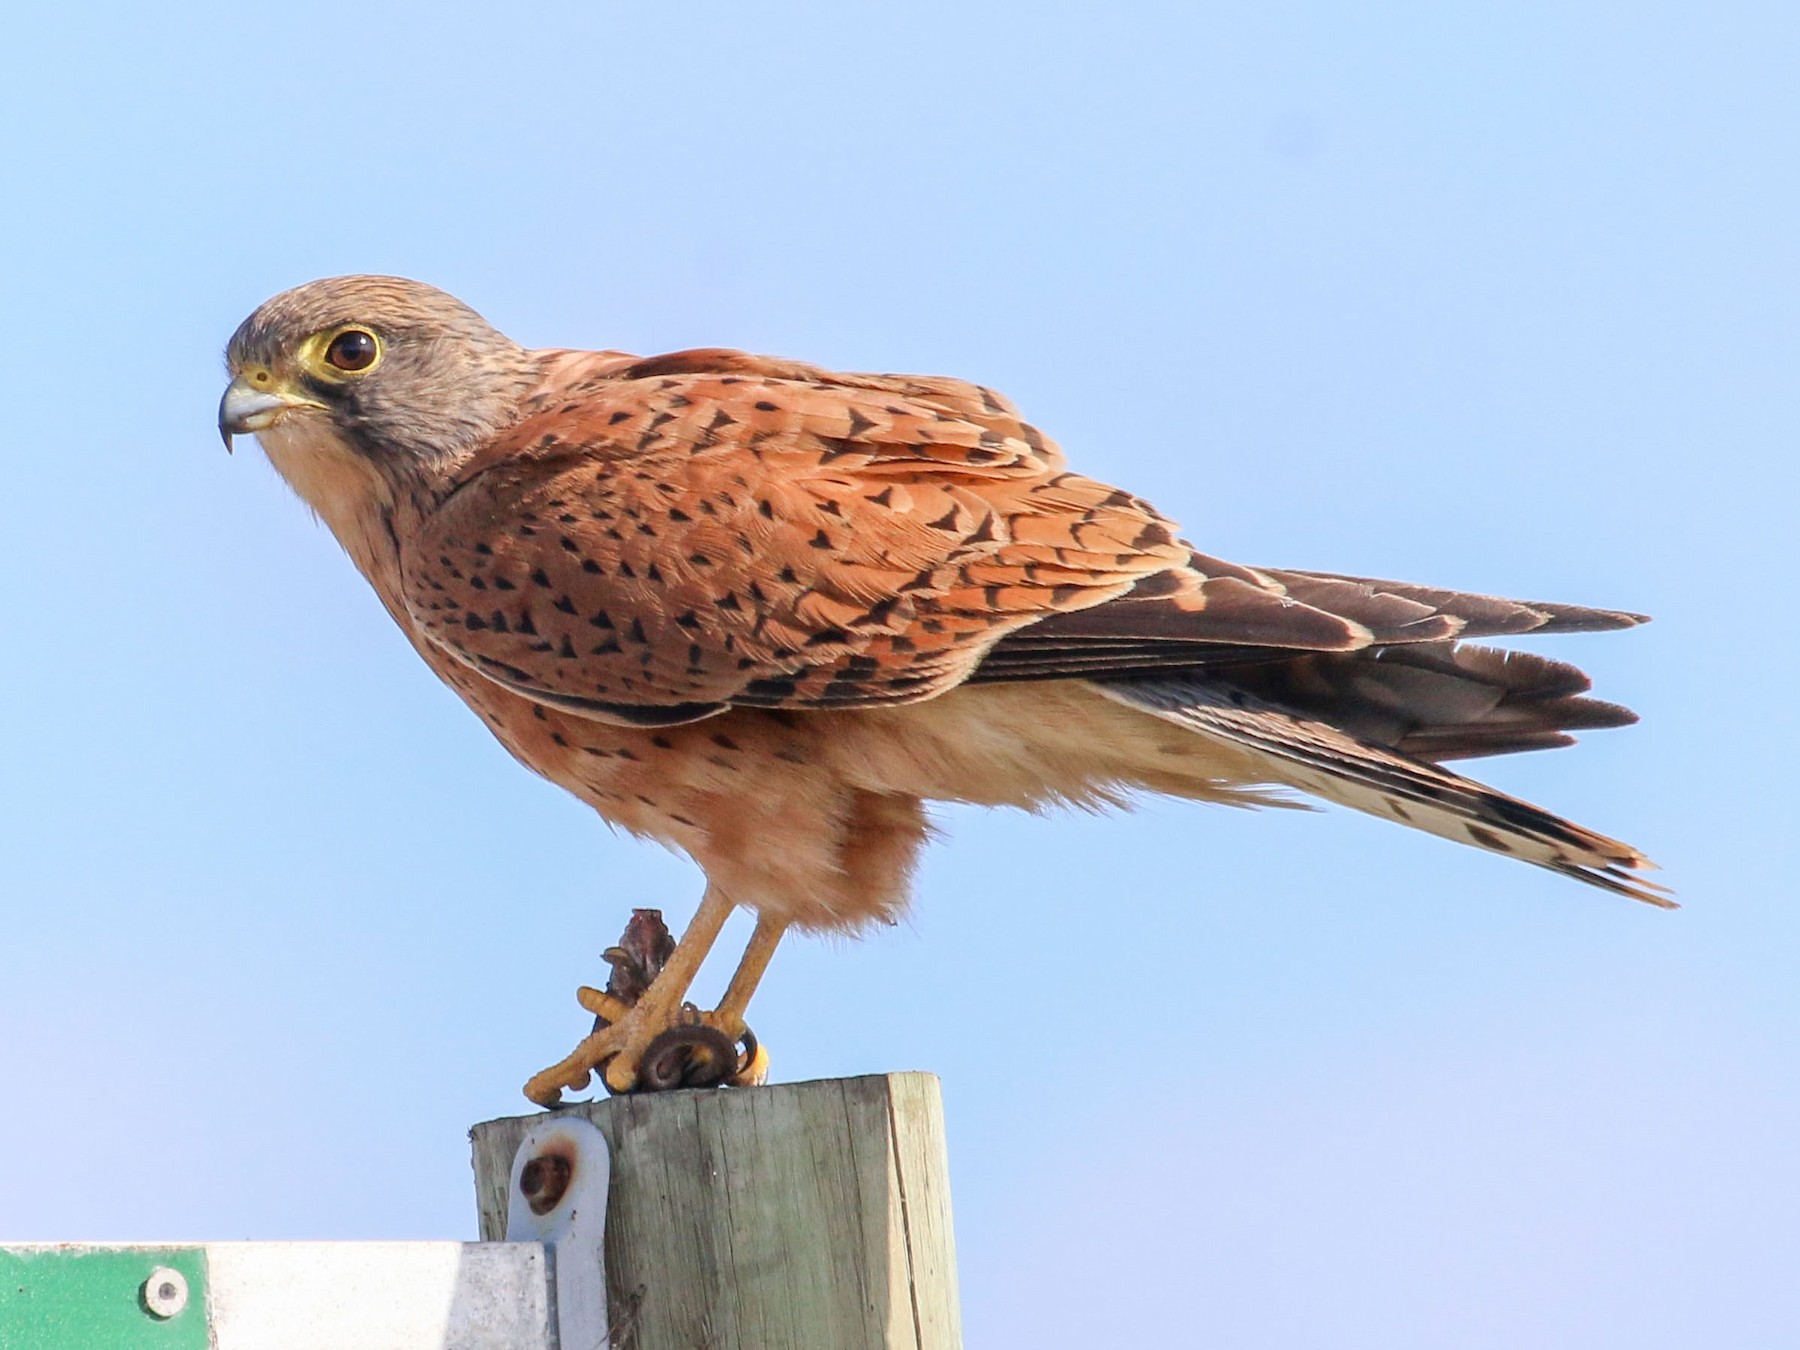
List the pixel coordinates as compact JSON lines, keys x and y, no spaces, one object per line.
{"x":1317,"y":757}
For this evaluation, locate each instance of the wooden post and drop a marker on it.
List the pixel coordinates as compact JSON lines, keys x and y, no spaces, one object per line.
{"x":804,"y":1216}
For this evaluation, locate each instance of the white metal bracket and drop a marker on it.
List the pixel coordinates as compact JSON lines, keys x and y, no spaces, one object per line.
{"x":560,"y":1178}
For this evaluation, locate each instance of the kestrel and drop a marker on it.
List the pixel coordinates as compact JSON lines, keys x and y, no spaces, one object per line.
{"x":764,"y":612}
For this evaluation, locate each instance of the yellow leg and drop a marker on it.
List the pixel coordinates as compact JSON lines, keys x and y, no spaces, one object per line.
{"x":620,"y":1046}
{"x":728,"y":1017}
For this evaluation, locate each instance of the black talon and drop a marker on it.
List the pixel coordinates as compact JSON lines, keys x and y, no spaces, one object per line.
{"x":746,"y":1055}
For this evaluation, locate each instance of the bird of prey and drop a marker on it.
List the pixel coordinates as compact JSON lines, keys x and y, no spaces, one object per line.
{"x":764,"y":612}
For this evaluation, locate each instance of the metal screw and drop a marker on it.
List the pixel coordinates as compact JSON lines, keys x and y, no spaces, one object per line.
{"x":165,"y":1293}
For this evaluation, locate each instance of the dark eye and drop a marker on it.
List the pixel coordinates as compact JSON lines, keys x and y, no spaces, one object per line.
{"x":352,"y":350}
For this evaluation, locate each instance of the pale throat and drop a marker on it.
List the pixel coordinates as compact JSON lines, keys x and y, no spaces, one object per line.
{"x":343,"y":489}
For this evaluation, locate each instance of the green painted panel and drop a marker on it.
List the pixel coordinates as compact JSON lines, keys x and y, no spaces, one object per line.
{"x":90,"y":1298}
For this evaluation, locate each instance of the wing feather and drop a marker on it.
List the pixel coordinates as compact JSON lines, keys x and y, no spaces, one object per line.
{"x":662,"y":538}
{"x":709,"y":528}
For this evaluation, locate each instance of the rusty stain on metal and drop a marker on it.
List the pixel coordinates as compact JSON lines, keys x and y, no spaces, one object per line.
{"x":545,"y":1180}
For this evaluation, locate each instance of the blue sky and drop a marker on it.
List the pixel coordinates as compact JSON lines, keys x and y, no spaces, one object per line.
{"x":1503,"y":297}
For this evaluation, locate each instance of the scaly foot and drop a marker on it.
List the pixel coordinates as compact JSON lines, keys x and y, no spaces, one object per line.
{"x":646,"y":1036}
{"x":649,"y":1047}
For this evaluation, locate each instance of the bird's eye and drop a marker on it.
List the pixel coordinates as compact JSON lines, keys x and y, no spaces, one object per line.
{"x":352,"y":350}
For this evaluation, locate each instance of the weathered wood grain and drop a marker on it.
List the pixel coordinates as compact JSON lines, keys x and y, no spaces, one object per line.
{"x":804,"y":1216}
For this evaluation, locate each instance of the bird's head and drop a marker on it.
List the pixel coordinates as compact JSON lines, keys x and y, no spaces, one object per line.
{"x":390,"y":371}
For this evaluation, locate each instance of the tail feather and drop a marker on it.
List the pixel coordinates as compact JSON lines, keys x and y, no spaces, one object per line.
{"x":1318,"y":757}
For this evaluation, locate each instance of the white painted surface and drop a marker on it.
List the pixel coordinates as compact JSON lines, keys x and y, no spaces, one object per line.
{"x":423,"y":1295}
{"x":575,"y":1229}
{"x":379,"y":1296}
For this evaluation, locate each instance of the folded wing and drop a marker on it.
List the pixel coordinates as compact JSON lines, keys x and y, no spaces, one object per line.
{"x":661,"y":540}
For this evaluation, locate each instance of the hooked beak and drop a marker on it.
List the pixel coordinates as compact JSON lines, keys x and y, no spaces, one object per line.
{"x":245,"y":409}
